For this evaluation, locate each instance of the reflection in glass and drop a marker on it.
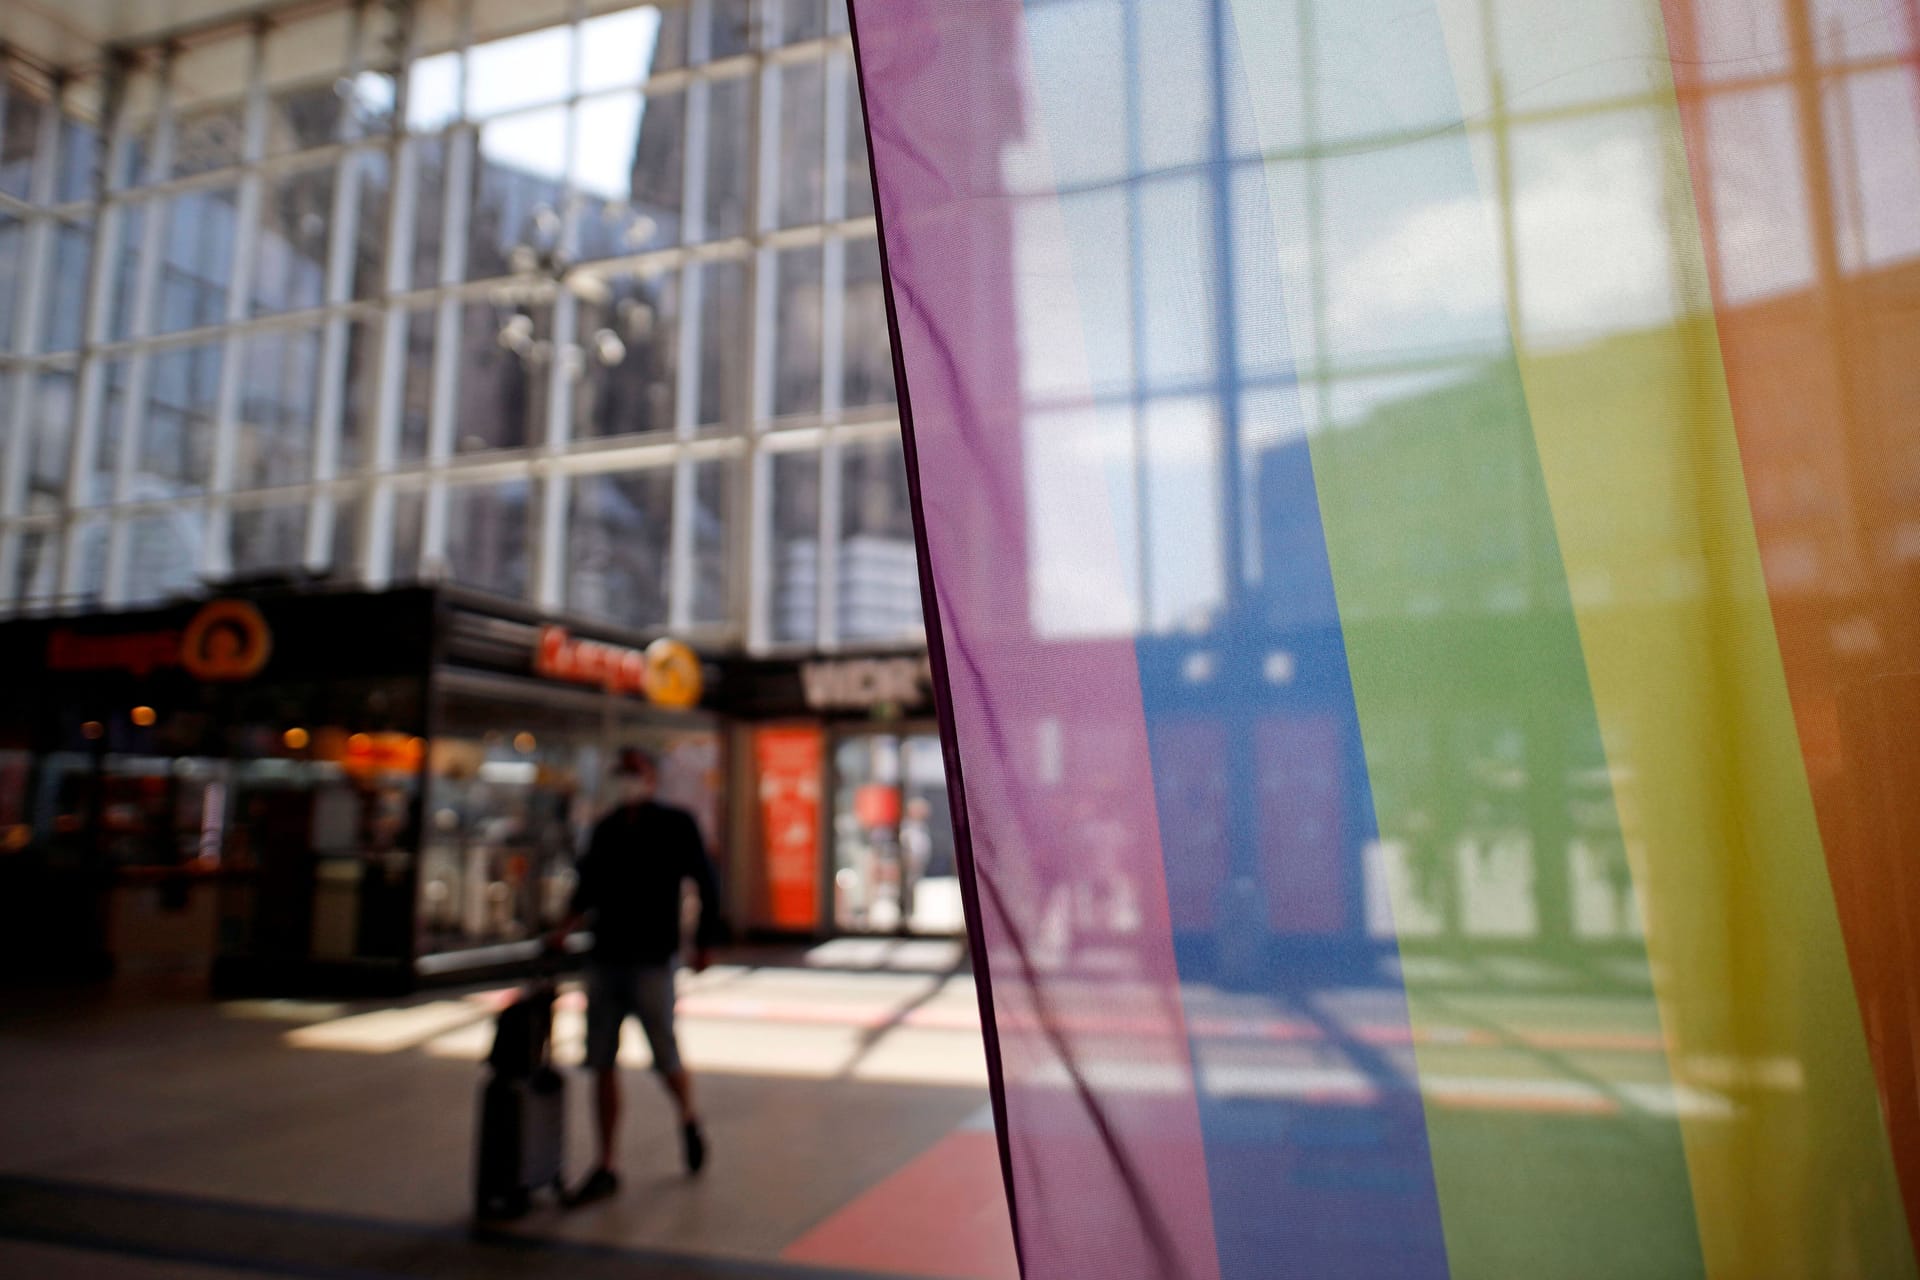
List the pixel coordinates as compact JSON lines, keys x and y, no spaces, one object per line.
{"x":304,"y":116}
{"x":518,"y":183}
{"x":724,"y":357}
{"x":267,"y":539}
{"x":618,"y":49}
{"x":632,"y":360}
{"x":176,"y":431}
{"x":628,"y":172}
{"x":867,"y":373}
{"x":619,"y":528}
{"x":274,"y":443}
{"x":290,"y":256}
{"x":19,"y":135}
{"x":163,"y":555}
{"x":803,"y":153}
{"x":487,"y":536}
{"x":714,"y":524}
{"x":198,"y":261}
{"x":520,"y":71}
{"x":207,"y":138}
{"x":729,"y":158}
{"x":67,"y":286}
{"x":505,"y":362}
{"x":794,"y":593}
{"x":879,"y":586}
{"x":799,"y":316}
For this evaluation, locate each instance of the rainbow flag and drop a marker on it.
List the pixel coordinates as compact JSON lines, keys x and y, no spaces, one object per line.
{"x":1419,"y":506}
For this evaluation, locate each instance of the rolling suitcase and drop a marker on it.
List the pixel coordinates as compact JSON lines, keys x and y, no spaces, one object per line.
{"x":523,"y":1110}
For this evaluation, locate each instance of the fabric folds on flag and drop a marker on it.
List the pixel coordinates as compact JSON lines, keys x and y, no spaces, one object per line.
{"x":1419,"y":504}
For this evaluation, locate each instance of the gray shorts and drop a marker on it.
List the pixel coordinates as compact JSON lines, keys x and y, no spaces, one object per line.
{"x":643,"y":990}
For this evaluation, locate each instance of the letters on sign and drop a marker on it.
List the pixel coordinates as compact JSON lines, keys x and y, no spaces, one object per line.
{"x":854,"y":683}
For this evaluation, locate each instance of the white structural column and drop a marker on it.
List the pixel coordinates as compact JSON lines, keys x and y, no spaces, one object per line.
{"x":442,"y":417}
{"x":86,"y":485}
{"x":146,"y":292}
{"x":763,"y":143}
{"x":548,"y":518}
{"x":376,"y":489}
{"x":215,"y":557}
{"x":28,"y":324}
{"x":693,"y":278}
{"x":342,"y":240}
{"x":833,"y":298}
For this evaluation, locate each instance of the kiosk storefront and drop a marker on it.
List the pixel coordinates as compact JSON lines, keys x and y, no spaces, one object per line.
{"x":304,"y":790}
{"x":297,"y":790}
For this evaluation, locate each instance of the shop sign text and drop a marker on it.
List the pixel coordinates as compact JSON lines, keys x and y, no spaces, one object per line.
{"x":858,"y":683}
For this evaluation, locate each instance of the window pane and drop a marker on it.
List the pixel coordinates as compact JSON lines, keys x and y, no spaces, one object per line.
{"x":371,"y":99}
{"x":729,"y":164}
{"x":487,"y":528}
{"x":416,"y":390}
{"x":632,"y":358}
{"x":867,"y":372}
{"x":505,"y":362}
{"x":618,"y":49}
{"x":303,"y":116}
{"x":797,"y":332}
{"x":713,"y":534}
{"x":176,"y":432}
{"x":724,"y":361}
{"x":617,"y":539}
{"x":67,"y":287}
{"x":17,"y":141}
{"x":628,"y":173}
{"x":433,"y":92}
{"x":97,"y":485}
{"x":267,"y":539}
{"x":732,"y":31}
{"x":796,"y":546}
{"x":79,"y":157}
{"x":429,"y":159}
{"x":198,"y":261}
{"x":207,"y":138}
{"x":359,"y":412}
{"x":521,"y":71}
{"x":133,"y":231}
{"x":52,"y":428}
{"x":879,"y":578}
{"x":370,"y":232}
{"x":518,"y":185}
{"x":858,"y":178}
{"x":803,"y":20}
{"x":12,"y":247}
{"x":409,"y":518}
{"x":33,"y":572}
{"x":343,"y":557}
{"x":290,"y":260}
{"x":803,"y":145}
{"x":274,"y":445}
{"x":163,"y":555}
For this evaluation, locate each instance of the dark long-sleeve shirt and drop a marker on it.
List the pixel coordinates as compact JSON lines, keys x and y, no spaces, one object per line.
{"x":630,"y":878}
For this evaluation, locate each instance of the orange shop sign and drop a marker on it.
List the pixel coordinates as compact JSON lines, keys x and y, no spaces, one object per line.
{"x":789,"y":758}
{"x":666,"y":672}
{"x":226,"y":640}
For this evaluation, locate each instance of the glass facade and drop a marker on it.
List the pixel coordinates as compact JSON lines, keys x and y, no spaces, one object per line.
{"x":547,"y":301}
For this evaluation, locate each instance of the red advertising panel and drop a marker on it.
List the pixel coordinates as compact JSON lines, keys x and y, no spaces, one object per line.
{"x":789,"y":759}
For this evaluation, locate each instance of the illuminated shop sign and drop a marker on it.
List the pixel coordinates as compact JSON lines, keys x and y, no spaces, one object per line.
{"x":852,"y":684}
{"x":666,"y":672}
{"x":226,"y":640}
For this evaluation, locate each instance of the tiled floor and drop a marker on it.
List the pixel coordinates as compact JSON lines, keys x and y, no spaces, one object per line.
{"x":832,"y":1099}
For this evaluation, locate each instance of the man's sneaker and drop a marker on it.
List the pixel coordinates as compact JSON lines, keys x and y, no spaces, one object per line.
{"x":695,"y":1144}
{"x":599,"y":1184}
